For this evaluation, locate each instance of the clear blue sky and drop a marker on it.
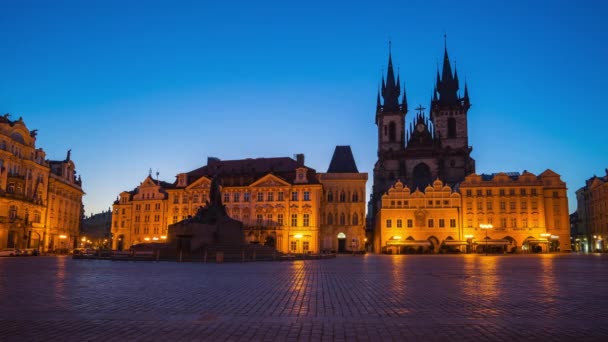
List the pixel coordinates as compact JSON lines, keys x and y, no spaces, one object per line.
{"x":134,"y":85}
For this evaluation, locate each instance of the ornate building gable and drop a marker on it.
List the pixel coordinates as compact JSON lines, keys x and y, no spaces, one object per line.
{"x":269,"y":180}
{"x":203,"y":182}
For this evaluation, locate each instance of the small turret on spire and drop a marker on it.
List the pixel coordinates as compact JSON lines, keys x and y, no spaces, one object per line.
{"x":467,"y":102}
{"x":390,"y":88}
{"x":404,"y":101}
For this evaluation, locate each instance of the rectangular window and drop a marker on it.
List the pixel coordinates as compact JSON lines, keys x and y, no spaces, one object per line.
{"x":479,"y":193}
{"x":480,"y":205}
{"x":157,"y":206}
{"x":555,"y":194}
{"x":260,"y":197}
{"x":294,"y":220}
{"x":489,"y":192}
{"x":399,"y":223}
{"x":294,"y":196}
{"x":280,"y":219}
{"x":469,"y":223}
{"x":280,"y":196}
{"x":185,"y":198}
{"x":122,"y":224}
{"x":246,"y":196}
{"x":176,"y":199}
{"x":503,"y":222}
{"x":226,"y":197}
{"x":534,"y":205}
{"x":469,"y":193}
{"x":452,"y":223}
{"x":489,"y":205}
{"x":431,"y":223}
{"x":533,"y":192}
{"x":294,"y":245}
{"x":524,"y":205}
{"x":512,"y":205}
{"x":410,"y":223}
{"x":512,"y":192}
{"x":522,"y":192}
{"x":269,"y":219}
{"x":389,"y":223}
{"x":524,"y":222}
{"x":260,"y":219}
{"x":306,"y":220}
{"x":305,"y":246}
{"x":147,"y":207}
{"x":501,"y":192}
{"x":270,"y":197}
{"x":195,"y":198}
{"x":306,"y":195}
{"x":441,"y":223}
{"x":236,"y":197}
{"x":469,"y":205}
{"x":156,"y":218}
{"x":175,"y":219}
{"x":513,"y":222}
{"x":503,"y":205}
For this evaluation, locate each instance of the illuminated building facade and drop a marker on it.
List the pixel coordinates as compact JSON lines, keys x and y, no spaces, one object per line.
{"x":278,"y":200}
{"x":433,"y":158}
{"x":592,"y":215}
{"x":522,"y":212}
{"x":40,"y":200}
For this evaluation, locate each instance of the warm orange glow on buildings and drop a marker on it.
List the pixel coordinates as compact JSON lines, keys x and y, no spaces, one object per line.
{"x":279,"y":200}
{"x":522,"y":213}
{"x":40,"y":199}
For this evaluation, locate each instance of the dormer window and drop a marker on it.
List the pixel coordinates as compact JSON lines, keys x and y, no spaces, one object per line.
{"x":301,"y":175}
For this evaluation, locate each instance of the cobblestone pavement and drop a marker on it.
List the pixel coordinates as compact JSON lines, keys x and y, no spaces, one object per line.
{"x":350,"y":298}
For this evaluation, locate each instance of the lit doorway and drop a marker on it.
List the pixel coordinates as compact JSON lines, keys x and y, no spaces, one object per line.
{"x":341,"y":243}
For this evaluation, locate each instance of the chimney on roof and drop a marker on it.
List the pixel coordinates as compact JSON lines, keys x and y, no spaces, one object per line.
{"x":212,"y":160}
{"x":300,"y":158}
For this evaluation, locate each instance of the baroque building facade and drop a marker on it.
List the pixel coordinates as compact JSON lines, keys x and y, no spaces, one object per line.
{"x":591,"y":224}
{"x":279,"y":200}
{"x":426,"y":195}
{"x":40,"y":199}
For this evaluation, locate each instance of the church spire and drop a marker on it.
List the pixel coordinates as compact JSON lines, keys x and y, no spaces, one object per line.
{"x":467,"y":102}
{"x":390,"y":89}
{"x":448,"y":85}
{"x":404,"y":101}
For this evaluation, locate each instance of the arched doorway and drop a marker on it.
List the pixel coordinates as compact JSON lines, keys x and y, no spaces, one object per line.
{"x":341,"y":242}
{"x":120,"y":244}
{"x":35,"y":240}
{"x":13,"y":239}
{"x":434,"y":247}
{"x":421,"y":176}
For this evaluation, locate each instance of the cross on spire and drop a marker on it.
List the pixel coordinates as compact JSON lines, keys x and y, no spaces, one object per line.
{"x":420,"y":109}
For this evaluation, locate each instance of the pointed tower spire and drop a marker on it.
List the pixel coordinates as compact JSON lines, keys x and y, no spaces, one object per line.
{"x":378,"y":104}
{"x":390,"y":89}
{"x":456,"y":76}
{"x":404,"y":101}
{"x":467,"y":102}
{"x":448,"y":86}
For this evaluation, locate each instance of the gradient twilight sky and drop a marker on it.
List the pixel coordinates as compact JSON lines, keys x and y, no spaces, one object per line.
{"x":134,"y":85}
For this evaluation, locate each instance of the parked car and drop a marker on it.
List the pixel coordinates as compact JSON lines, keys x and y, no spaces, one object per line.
{"x":30,"y":252}
{"x":10,"y":252}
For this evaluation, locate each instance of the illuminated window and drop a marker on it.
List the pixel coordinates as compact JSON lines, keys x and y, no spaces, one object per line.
{"x":306,"y":220}
{"x":294,"y":220}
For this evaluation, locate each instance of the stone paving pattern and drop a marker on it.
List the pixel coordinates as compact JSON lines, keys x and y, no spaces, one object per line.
{"x":350,"y":298}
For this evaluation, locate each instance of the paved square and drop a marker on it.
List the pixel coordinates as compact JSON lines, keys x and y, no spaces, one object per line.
{"x":350,"y":298}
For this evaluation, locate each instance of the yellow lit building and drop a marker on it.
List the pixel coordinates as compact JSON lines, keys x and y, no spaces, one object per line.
{"x":499,"y":212}
{"x":32,"y":192}
{"x":592,"y":211}
{"x":415,"y":222}
{"x":343,"y":204}
{"x":279,"y":201}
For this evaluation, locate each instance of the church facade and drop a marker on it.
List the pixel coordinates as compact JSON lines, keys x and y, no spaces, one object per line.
{"x":426,"y":196}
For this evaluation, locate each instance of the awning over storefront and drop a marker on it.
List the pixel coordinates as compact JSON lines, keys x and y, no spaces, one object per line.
{"x":408,"y":243}
{"x":455,"y":243}
{"x":493,"y":242}
{"x":536,"y":241}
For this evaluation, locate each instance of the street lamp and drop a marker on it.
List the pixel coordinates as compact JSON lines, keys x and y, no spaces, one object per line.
{"x":486,"y":227}
{"x":469,"y":238}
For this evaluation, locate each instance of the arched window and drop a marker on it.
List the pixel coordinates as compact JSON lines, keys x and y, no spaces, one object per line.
{"x":355,"y":196}
{"x":330,"y":196}
{"x":330,"y":219}
{"x":12,"y":212}
{"x":355,"y":219}
{"x":342,"y":219}
{"x":392,"y":132}
{"x":451,"y":128}
{"x":342,"y":196}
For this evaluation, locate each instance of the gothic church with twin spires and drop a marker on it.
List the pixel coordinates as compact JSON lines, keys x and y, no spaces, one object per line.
{"x":433,"y":147}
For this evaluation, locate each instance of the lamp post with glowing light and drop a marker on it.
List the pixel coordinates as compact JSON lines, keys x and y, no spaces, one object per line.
{"x":486,"y":227}
{"x":469,"y":238}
